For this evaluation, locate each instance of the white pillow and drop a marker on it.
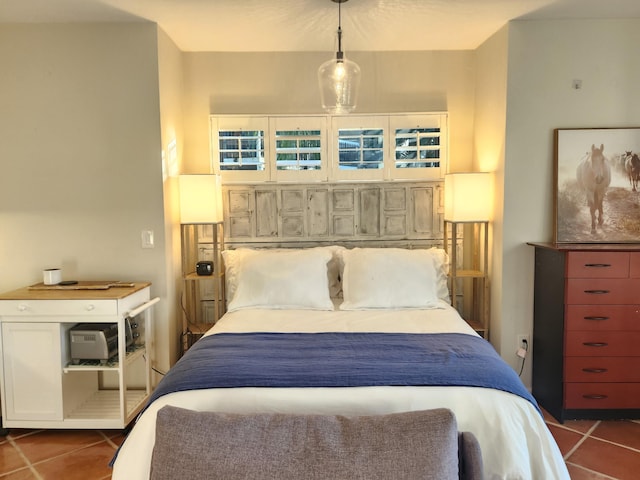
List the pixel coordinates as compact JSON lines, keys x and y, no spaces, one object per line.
{"x":282,"y":279}
{"x":389,"y":278}
{"x":232,"y":259}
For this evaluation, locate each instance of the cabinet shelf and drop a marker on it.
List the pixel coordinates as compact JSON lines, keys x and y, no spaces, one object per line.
{"x":195,"y":276}
{"x":470,"y":274}
{"x":105,"y":404}
{"x":133,"y":353}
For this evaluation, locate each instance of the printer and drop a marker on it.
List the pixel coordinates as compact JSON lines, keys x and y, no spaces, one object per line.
{"x":96,"y":341}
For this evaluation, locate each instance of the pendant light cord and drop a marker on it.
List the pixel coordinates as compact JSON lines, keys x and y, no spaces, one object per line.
{"x":339,"y":54}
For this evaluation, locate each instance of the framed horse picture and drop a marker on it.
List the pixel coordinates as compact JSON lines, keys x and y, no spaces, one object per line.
{"x":597,"y":192}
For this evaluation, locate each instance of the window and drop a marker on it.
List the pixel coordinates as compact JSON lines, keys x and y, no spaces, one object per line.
{"x":360,"y":148}
{"x":300,"y":147}
{"x":298,"y":150}
{"x":241,"y":150}
{"x":417,"y":147}
{"x":325,"y":147}
{"x":240,"y":147}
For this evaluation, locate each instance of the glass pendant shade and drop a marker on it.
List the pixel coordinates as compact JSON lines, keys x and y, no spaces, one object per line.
{"x":339,"y":79}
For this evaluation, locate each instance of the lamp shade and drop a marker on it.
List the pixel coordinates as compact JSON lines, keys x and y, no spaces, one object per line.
{"x":200,"y":199}
{"x":467,"y":197}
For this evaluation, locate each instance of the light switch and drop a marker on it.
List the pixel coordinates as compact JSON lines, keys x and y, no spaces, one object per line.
{"x":147,"y":239}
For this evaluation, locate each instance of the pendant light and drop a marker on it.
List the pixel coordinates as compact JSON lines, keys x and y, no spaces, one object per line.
{"x":339,"y":78}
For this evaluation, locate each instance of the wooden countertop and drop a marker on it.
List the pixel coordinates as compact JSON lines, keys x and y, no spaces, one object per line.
{"x":82,"y":291}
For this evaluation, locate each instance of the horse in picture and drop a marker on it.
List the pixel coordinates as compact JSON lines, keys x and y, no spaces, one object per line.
{"x":594,"y":177}
{"x":632,"y":167}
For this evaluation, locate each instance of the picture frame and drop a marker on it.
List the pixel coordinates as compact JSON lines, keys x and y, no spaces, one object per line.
{"x":597,"y":185}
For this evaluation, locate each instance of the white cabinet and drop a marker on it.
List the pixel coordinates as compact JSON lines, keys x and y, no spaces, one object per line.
{"x":36,"y":378}
{"x":41,"y":387}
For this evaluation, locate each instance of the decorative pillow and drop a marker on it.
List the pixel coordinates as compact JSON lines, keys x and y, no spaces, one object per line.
{"x":389,"y":278}
{"x":232,"y":259}
{"x":282,"y":279}
{"x":208,"y":445}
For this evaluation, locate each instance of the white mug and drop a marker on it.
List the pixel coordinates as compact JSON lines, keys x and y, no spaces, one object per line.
{"x":52,"y":276}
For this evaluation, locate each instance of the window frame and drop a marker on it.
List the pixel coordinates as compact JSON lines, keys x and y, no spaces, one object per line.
{"x":239,"y":123}
{"x":307,"y":122}
{"x":329,"y":126}
{"x":407,"y":121}
{"x":358,"y":122}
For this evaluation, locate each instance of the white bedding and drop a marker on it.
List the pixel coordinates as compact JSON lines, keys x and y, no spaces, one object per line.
{"x":515,"y":441}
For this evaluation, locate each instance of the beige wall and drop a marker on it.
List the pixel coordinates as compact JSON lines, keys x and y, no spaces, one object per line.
{"x":489,"y":156}
{"x":80,"y":173}
{"x":171,"y":98}
{"x":543,"y":59}
{"x":219,"y":83}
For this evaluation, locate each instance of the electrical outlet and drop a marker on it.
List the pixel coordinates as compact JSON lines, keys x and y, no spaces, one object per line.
{"x":524,"y":343}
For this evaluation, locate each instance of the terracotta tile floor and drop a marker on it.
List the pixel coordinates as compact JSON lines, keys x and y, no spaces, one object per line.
{"x":58,"y":454}
{"x":599,"y":450}
{"x":593,"y":450}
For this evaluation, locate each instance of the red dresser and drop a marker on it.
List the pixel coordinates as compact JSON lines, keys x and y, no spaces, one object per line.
{"x":586,"y":340}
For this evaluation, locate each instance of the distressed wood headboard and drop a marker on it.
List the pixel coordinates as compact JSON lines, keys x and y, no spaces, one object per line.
{"x":286,"y":215}
{"x":391,"y":212}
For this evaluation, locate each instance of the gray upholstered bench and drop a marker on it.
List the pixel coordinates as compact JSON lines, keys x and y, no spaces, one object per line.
{"x":411,"y":445}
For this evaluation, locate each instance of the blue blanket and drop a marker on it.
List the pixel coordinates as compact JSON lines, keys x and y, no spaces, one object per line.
{"x":286,"y":360}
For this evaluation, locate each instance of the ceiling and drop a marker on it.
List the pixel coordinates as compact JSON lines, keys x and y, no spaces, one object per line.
{"x":310,"y":25}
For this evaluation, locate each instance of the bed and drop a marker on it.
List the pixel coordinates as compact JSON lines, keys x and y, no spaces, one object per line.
{"x":361,"y":331}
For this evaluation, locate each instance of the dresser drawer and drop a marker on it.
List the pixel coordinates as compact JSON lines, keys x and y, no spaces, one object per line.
{"x":634,"y":265}
{"x":613,"y":291}
{"x":602,"y":317}
{"x":602,"y":344}
{"x":602,"y":369}
{"x":27,"y":308}
{"x":598,"y":264}
{"x":602,"y":395}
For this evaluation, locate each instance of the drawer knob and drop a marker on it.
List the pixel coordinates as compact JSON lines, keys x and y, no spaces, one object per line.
{"x":594,"y":370}
{"x":595,"y":344}
{"x":596,"y":318}
{"x":596,"y":292}
{"x":597,"y":265}
{"x":90,"y":307}
{"x":594,"y":396}
{"x":22,"y":307}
